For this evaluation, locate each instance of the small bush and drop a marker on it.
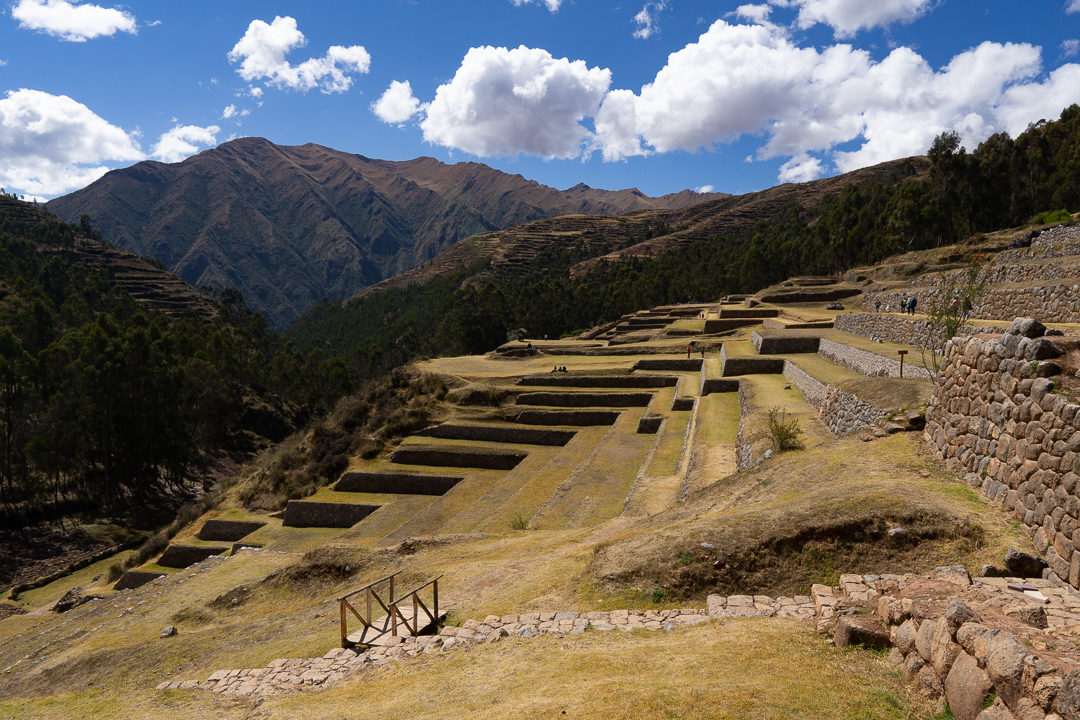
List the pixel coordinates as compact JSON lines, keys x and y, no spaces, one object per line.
{"x":657,"y":595}
{"x":114,"y":573}
{"x":784,"y":431}
{"x":519,"y":521}
{"x":1051,"y":216}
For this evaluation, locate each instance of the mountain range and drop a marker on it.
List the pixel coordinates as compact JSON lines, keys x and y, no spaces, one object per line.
{"x":290,"y":225}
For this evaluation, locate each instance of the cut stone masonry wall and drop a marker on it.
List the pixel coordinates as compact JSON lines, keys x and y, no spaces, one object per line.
{"x":842,"y":411}
{"x":994,"y":415}
{"x":898,"y":329}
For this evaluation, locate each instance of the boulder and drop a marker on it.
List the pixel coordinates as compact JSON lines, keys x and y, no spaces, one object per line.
{"x":955,"y":574}
{"x":1026,"y":327}
{"x":169,"y":631}
{"x":1033,"y":615}
{"x":997,"y":711}
{"x":924,"y":638}
{"x":904,"y":636}
{"x":1005,"y":665}
{"x":1067,"y":703}
{"x":1043,"y":349}
{"x":73,"y":598}
{"x":1022,"y":564}
{"x":928,"y":683}
{"x":943,"y":651}
{"x":966,"y":688}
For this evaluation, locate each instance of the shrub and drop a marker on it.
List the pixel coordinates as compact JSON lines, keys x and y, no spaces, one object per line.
{"x":114,"y":573}
{"x":784,"y":431}
{"x":519,"y":521}
{"x":1051,"y":216}
{"x":657,"y":595}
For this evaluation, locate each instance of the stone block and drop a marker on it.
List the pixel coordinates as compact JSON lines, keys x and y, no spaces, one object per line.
{"x":966,"y":688}
{"x":865,"y":630}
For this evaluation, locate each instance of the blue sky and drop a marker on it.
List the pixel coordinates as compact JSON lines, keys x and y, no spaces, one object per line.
{"x":659,"y":94}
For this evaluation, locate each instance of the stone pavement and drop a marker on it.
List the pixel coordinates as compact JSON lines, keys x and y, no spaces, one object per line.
{"x":291,"y":675}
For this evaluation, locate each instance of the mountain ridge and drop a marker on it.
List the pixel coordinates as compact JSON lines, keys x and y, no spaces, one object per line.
{"x":290,"y":225}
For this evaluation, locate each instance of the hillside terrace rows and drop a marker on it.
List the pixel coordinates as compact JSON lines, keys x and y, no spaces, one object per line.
{"x":620,"y":433}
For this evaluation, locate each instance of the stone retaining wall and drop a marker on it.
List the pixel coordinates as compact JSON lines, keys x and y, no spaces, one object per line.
{"x":868,"y":363}
{"x":499,"y":434}
{"x":900,"y":330}
{"x":306,"y":513}
{"x":670,"y":364}
{"x":397,"y":483}
{"x":744,"y":453}
{"x":1059,"y":302}
{"x":842,"y":411}
{"x":783,"y":344}
{"x":457,"y":457}
{"x":749,"y":365}
{"x":231,"y":530}
{"x":576,"y":418}
{"x":994,"y":415}
{"x":182,"y":556}
{"x":586,"y":399}
{"x":600,"y":381}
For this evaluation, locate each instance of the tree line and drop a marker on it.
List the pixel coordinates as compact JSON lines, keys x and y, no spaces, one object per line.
{"x":106,"y":406}
{"x":1002,"y":183}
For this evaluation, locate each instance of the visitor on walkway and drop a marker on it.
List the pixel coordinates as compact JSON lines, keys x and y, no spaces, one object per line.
{"x":911,"y":305}
{"x":903,"y":304}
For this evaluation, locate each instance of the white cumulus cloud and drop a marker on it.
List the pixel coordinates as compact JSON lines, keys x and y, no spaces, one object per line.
{"x":801,"y":168}
{"x":397,"y":104}
{"x":52,"y":144}
{"x":847,"y":17}
{"x":71,"y":21}
{"x":648,"y":18}
{"x":231,"y":112}
{"x":739,"y":80}
{"x":705,"y":189}
{"x":1072,"y":6}
{"x":183,"y":141}
{"x":553,"y":5}
{"x":261,"y":53}
{"x":1070,"y":47}
{"x":505,"y":102}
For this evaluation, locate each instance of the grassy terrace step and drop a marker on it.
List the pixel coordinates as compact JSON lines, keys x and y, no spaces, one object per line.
{"x":304,"y":513}
{"x":230,"y":530}
{"x":669,"y":364}
{"x":437,"y":513}
{"x":386,"y":519}
{"x":755,"y":313}
{"x":492,"y":510}
{"x":575,"y":418}
{"x":585,"y":399}
{"x":767,"y":392}
{"x":713,"y":441}
{"x":885,"y":393}
{"x":597,"y":488}
{"x":396,"y":482}
{"x":498,"y":433}
{"x":599,"y":381}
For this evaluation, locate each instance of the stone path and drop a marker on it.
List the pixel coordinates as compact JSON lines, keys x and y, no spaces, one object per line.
{"x":291,"y":675}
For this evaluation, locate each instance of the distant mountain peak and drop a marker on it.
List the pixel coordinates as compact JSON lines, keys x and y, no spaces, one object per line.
{"x":290,"y":225}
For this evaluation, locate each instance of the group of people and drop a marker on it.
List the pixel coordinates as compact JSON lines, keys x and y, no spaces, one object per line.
{"x":558,"y":368}
{"x":907,"y":304}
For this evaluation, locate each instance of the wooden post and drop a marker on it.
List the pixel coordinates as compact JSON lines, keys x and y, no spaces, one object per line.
{"x":435,"y":603}
{"x":370,"y":618}
{"x":415,"y":614}
{"x":393,"y":615}
{"x":344,"y":629}
{"x":901,"y":353}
